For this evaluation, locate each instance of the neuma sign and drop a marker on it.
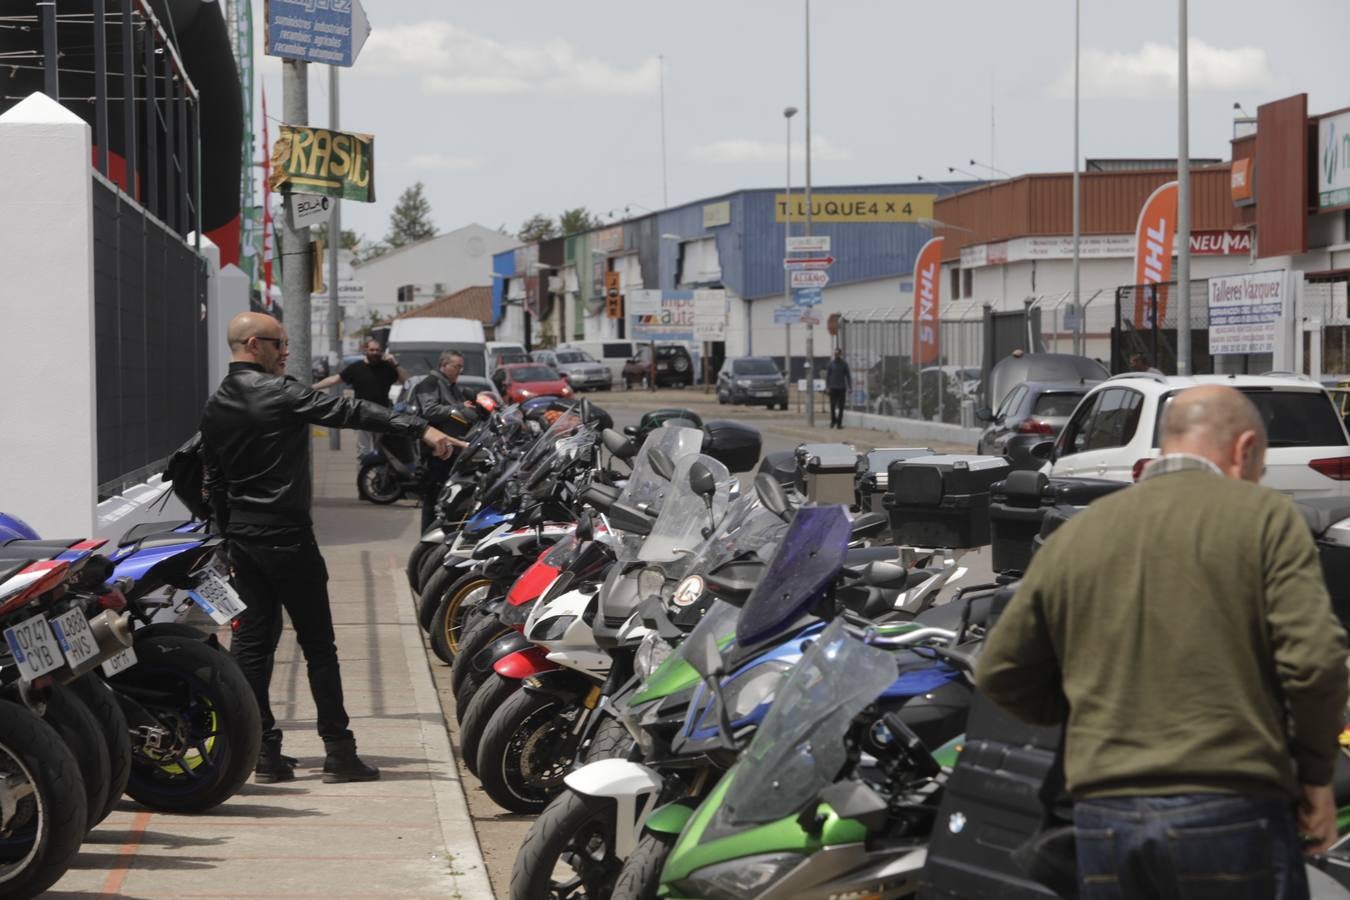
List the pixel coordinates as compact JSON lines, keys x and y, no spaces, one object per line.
{"x":1153,"y":240}
{"x":927,"y":290}
{"x":1333,"y":157}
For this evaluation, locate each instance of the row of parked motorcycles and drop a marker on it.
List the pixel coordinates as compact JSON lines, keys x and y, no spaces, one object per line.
{"x":104,"y":691}
{"x":709,"y":688}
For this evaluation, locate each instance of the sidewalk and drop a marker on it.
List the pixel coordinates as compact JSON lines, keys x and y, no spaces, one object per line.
{"x":407,"y":835}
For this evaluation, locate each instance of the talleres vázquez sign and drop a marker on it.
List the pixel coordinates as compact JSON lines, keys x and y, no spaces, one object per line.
{"x":308,"y":160}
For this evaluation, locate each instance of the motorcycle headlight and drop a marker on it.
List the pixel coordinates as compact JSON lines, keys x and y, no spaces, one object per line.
{"x":650,"y":654}
{"x":551,"y":629}
{"x":743,"y":694}
{"x":738,"y":878}
{"x":650,"y":581}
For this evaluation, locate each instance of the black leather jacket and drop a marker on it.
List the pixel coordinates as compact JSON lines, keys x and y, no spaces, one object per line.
{"x":255,"y":433}
{"x":442,"y":403}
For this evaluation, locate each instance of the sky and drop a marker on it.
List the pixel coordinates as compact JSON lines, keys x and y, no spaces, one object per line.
{"x":509,"y":108}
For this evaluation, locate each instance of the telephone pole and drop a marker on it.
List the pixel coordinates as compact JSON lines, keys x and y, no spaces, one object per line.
{"x":296,"y":278}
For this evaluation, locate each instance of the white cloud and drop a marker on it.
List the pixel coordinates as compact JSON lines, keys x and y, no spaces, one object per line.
{"x":740,"y":150}
{"x":451,"y":61}
{"x":1151,"y":71}
{"x":443,"y":162}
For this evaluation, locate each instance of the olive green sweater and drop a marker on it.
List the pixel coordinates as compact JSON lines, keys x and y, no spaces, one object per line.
{"x":1182,"y":629}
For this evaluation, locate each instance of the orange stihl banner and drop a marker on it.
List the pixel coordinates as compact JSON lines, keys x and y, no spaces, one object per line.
{"x":1153,"y":240}
{"x":927,"y":290}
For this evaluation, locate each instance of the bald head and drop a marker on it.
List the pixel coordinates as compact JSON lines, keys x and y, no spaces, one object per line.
{"x":258,"y":338}
{"x":1219,"y":424}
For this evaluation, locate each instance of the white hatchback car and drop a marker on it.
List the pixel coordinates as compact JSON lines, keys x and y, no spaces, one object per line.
{"x":1113,"y":432}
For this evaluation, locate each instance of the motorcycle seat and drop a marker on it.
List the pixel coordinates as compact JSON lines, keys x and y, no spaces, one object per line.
{"x":10,"y":568}
{"x":136,"y":532}
{"x":25,"y":549}
{"x":157,"y":541}
{"x":1322,"y":512}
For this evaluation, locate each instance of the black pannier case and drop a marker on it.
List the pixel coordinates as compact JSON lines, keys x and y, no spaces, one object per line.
{"x":734,"y":445}
{"x":942,"y":501}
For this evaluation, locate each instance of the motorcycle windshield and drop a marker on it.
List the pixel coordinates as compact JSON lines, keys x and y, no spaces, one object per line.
{"x":645,"y":488}
{"x":566,"y":423}
{"x":748,"y":528}
{"x":805,"y":563}
{"x":800,"y":749}
{"x":678,"y":530}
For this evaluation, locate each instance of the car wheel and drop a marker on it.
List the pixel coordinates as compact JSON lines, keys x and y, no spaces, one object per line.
{"x":721,"y":398}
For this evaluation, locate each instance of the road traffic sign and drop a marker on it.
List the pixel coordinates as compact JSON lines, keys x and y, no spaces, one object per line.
{"x":816,"y":243}
{"x":808,"y":262}
{"x":787,"y":315}
{"x":808,"y":278}
{"x":809,"y":318}
{"x":806,"y":296}
{"x":333,"y":32}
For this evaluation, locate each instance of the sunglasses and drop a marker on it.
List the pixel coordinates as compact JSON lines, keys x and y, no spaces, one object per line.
{"x":278,"y":341}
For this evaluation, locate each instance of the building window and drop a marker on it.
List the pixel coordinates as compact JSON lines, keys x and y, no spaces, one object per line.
{"x":956,"y":284}
{"x":967,"y":282}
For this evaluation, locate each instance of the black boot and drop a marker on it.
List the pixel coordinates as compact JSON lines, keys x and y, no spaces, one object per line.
{"x":342,"y":764}
{"x":273,"y":766}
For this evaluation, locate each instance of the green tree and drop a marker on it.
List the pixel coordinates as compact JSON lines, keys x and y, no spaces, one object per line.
{"x":410,"y":221}
{"x":350,"y":239}
{"x":537,"y":227}
{"x":575,"y":221}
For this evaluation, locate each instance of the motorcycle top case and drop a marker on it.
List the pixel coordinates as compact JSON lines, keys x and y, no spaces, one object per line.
{"x":825,"y":472}
{"x":1017,"y":507}
{"x":942,"y":501}
{"x":734,"y":445}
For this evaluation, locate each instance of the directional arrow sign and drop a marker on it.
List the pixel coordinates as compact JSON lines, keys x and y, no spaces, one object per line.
{"x":331,"y":32}
{"x":808,"y":262}
{"x":816,"y":243}
{"x":808,"y":278}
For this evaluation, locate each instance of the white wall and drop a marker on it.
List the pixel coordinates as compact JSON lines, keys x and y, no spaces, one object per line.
{"x":457,"y":259}
{"x":47,"y":265}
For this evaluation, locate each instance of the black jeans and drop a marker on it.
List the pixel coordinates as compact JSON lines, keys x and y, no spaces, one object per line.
{"x":289,"y":573}
{"x":437,"y":471}
{"x":1189,"y":847}
{"x":837,"y":406}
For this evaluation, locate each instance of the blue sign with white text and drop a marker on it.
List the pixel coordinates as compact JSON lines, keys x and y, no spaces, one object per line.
{"x":317,"y":31}
{"x":806,"y":296}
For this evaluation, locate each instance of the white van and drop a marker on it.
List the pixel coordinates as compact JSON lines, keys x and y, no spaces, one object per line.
{"x":499,"y":348}
{"x":613,"y":354}
{"x":418,"y":342}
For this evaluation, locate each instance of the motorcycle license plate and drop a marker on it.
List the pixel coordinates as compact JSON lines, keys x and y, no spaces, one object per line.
{"x":217,"y":598}
{"x":34,"y":648}
{"x":75,"y":637}
{"x":119,"y":663}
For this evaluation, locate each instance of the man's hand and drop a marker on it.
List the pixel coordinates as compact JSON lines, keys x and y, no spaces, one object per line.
{"x":390,"y":358}
{"x":441,"y":443}
{"x":1317,"y":818}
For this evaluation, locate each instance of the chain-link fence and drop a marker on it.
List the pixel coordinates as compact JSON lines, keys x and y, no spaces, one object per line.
{"x":1326,"y":303}
{"x":1146,"y":326}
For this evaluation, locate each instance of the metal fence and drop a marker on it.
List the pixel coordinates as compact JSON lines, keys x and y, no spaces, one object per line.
{"x":150,"y":339}
{"x":1326,"y":309}
{"x":1140,"y":330}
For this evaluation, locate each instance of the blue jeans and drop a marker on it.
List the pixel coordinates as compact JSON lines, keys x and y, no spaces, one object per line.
{"x":1189,"y":847}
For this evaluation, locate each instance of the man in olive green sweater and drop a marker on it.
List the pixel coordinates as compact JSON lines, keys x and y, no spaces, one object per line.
{"x":1182,"y":633}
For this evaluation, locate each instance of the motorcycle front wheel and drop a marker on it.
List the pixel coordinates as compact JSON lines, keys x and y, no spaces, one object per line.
{"x":568,"y":852}
{"x":207,"y":731}
{"x":641,"y":874}
{"x":44,"y":812}
{"x":377,"y":483}
{"x":522,"y":757}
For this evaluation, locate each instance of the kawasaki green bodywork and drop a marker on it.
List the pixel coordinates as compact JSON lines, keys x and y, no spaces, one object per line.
{"x":671,"y":818}
{"x":786,"y":835}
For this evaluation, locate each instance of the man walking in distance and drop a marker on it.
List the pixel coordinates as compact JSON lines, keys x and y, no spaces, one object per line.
{"x":838,"y":381}
{"x":1181,"y":631}
{"x":256,"y":437}
{"x":370,"y":380}
{"x":440,"y":400}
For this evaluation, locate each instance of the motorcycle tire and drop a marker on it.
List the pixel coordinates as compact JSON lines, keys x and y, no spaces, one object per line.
{"x":492,"y":694}
{"x":428,"y":565}
{"x":476,"y":640}
{"x":416,"y":559}
{"x":641,"y":873}
{"x":202,"y":697}
{"x":377,"y":483}
{"x":576,"y":831}
{"x":519,"y":760}
{"x":44,"y":835}
{"x":80,"y":730}
{"x":433,"y":589}
{"x":611,"y":741}
{"x":102,"y":702}
{"x":447,"y":626}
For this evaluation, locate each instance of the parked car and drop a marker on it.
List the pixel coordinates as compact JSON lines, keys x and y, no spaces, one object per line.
{"x":1113,"y":433}
{"x":752,"y":379}
{"x":522,"y":381}
{"x":1034,"y":408}
{"x":1011,"y":371}
{"x":613,"y":355}
{"x":673,"y":366}
{"x":580,"y":369}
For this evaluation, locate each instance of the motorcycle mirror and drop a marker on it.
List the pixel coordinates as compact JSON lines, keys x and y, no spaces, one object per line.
{"x":661,"y":462}
{"x":702,"y":480}
{"x":772,"y":495}
{"x":617,"y":444}
{"x":586,"y":527}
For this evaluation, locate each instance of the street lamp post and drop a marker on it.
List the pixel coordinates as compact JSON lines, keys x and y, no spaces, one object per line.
{"x":788,"y":113}
{"x":810,"y":329}
{"x":1183,"y":199}
{"x":1077,"y":199}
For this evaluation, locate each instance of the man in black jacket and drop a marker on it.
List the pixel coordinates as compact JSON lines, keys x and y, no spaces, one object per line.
{"x":255,"y":433}
{"x":441,"y":401}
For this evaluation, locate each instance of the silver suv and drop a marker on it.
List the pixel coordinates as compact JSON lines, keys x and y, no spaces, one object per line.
{"x":1113,"y":432}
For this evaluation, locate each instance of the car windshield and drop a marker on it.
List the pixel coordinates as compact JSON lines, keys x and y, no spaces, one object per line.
{"x":1293,"y":418}
{"x":669,"y":351}
{"x":1057,"y":404}
{"x":573,"y":356}
{"x":754,"y":367}
{"x":416,"y":361}
{"x":810,"y":555}
{"x":532,"y":373}
{"x":799,"y":749}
